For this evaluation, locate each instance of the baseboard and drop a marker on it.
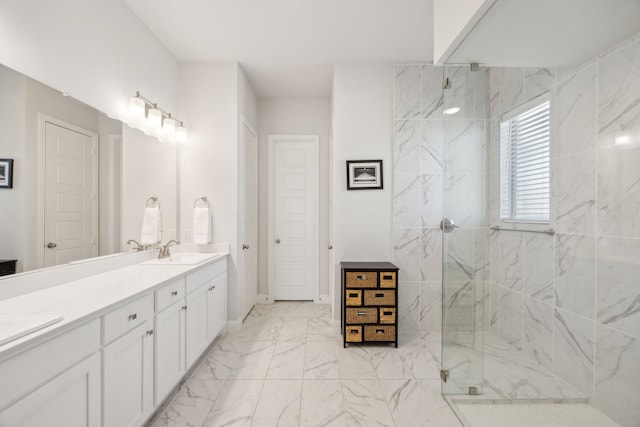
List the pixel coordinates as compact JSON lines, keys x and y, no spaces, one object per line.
{"x":233,"y":325}
{"x":264,"y":299}
{"x":322,"y":299}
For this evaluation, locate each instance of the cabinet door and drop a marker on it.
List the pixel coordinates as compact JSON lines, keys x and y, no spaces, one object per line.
{"x":71,"y":399}
{"x":170,"y":341}
{"x":197,"y":339}
{"x":128,"y":378}
{"x":217,"y":306}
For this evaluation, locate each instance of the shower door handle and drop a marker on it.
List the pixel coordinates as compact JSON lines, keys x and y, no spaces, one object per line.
{"x":447,"y":225}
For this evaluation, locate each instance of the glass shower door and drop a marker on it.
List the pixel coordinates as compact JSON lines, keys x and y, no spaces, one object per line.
{"x":465,"y":228}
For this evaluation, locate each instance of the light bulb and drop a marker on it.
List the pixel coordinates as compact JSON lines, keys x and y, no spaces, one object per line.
{"x":136,"y":111}
{"x":181,"y":134}
{"x":168,"y":130}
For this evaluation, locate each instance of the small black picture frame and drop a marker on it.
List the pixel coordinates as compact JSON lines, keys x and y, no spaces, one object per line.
{"x":6,"y":173}
{"x":364,"y":175}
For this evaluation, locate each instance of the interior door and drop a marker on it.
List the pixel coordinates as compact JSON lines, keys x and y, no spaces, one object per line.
{"x":249,"y":217}
{"x":465,"y":229}
{"x":293,"y":217}
{"x":70,"y":200}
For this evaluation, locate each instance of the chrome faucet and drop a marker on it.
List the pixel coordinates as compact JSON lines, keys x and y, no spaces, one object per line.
{"x":164,"y":250}
{"x":139,"y":247}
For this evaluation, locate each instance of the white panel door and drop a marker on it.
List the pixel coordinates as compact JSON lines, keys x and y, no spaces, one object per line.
{"x":70,"y":204}
{"x":248,"y":219}
{"x":294,"y":217}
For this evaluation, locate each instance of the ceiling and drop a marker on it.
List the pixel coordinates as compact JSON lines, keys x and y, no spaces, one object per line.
{"x":287,"y":48}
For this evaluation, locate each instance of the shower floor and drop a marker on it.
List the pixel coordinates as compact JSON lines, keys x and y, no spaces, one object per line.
{"x":519,"y":392}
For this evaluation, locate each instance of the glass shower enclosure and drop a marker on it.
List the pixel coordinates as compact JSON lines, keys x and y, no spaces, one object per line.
{"x":465,"y":228}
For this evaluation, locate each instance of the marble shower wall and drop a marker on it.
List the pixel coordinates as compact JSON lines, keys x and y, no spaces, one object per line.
{"x":572,"y":301}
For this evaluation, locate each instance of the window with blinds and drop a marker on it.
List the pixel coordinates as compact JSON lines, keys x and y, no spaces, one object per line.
{"x":525,"y":167}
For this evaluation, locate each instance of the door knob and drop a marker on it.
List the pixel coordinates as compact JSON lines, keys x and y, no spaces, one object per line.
{"x":245,"y":246}
{"x":447,"y":225}
{"x":278,"y":241}
{"x":51,"y":245}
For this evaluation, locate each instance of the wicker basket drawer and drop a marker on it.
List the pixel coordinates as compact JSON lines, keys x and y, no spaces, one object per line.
{"x":388,"y":315}
{"x":379,"y":333}
{"x":362,"y":279}
{"x":388,"y":279}
{"x":362,"y":315}
{"x":380,"y":297}
{"x":353,"y":297}
{"x":353,"y":333}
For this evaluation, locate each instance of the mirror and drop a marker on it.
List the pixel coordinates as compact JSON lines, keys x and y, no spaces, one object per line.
{"x":125,"y":168}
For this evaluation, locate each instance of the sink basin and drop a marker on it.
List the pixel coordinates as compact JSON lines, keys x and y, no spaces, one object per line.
{"x":182,"y":259}
{"x":14,"y":326}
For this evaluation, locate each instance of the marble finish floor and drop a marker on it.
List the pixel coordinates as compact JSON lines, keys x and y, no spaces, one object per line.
{"x":286,"y":367}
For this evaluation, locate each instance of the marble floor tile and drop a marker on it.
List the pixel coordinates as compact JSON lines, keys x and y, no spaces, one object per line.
{"x":365,"y":404}
{"x":418,"y":403}
{"x":321,"y":361}
{"x":287,"y":361}
{"x":322,"y":404}
{"x":236,"y":404}
{"x":254,"y":361}
{"x":279,"y":404}
{"x":192,"y":404}
{"x":354,"y":363}
{"x":294,"y":329}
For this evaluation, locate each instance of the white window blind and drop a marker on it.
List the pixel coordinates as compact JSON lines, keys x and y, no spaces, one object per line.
{"x":525,"y":170}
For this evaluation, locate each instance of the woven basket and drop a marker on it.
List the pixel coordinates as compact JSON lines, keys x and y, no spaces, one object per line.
{"x":362,"y":279}
{"x":380,"y":297}
{"x":388,"y":279}
{"x":388,"y":315}
{"x":353,"y":333}
{"x":353,"y":297}
{"x":362,"y":315}
{"x":379,"y":333}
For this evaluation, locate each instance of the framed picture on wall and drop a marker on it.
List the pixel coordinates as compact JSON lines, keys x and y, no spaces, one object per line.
{"x":364,"y":174}
{"x":6,"y":173}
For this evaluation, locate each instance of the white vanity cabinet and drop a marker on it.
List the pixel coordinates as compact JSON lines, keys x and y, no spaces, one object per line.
{"x":56,"y":383}
{"x":170,"y":340}
{"x":206,"y":308}
{"x":128,"y":364}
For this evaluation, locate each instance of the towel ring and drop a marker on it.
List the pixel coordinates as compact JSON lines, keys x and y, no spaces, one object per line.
{"x":204,"y":200}
{"x":152,"y":201}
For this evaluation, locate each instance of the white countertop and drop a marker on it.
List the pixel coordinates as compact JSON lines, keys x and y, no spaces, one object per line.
{"x":84,"y":298}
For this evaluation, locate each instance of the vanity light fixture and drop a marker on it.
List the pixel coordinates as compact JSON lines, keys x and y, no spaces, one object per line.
{"x":153,"y":120}
{"x":451,"y":111}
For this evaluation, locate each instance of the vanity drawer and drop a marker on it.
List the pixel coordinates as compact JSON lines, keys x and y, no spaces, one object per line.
{"x":388,"y":279}
{"x":380,"y":297}
{"x":362,"y":279}
{"x":205,"y":275}
{"x":123,"y":319}
{"x":168,"y":294}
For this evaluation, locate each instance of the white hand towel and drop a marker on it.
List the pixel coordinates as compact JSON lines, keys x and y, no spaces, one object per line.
{"x":151,"y":226}
{"x":202,"y":227}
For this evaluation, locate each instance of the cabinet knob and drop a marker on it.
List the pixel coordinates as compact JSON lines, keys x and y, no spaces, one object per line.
{"x":133,"y":316}
{"x":174,"y":293}
{"x":245,"y":246}
{"x":51,"y":245}
{"x":184,"y":307}
{"x":277,"y":241}
{"x":150,"y":332}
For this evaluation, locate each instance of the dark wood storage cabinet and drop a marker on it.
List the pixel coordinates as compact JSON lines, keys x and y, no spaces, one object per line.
{"x":369,"y":303}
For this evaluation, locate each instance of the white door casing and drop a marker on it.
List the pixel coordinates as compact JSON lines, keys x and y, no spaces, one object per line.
{"x":67,"y":193}
{"x":293,"y":220}
{"x":248,"y":218}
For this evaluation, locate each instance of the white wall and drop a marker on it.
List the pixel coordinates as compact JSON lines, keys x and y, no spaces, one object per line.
{"x":302,"y":117}
{"x":208,"y":163}
{"x":97,"y":51}
{"x":362,"y":130}
{"x":452,"y":20}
